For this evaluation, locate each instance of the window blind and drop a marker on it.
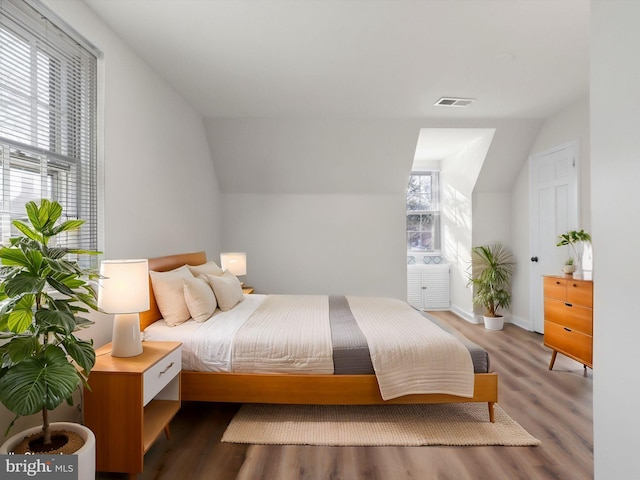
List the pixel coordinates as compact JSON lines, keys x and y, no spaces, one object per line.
{"x":48,"y":103}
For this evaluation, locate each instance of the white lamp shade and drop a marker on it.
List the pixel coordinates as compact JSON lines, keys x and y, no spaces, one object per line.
{"x":124,"y":286}
{"x":235,"y":262}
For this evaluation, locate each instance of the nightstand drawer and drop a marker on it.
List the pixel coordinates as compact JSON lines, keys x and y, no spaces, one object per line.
{"x":570,"y":342}
{"x":160,"y":374}
{"x":575,"y":317}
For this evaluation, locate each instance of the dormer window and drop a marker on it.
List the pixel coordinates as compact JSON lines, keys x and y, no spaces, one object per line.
{"x":423,"y":213}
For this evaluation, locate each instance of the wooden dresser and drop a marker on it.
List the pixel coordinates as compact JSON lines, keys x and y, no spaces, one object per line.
{"x":568,"y":318}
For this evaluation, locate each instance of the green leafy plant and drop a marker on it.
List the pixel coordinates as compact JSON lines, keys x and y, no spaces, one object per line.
{"x":43,"y":295}
{"x":571,"y":238}
{"x":569,"y":261}
{"x":491,"y":270}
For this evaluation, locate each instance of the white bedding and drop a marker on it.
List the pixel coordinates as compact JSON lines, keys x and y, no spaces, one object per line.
{"x":415,"y":356}
{"x":239,"y":340}
{"x":285,"y":334}
{"x":206,"y":347}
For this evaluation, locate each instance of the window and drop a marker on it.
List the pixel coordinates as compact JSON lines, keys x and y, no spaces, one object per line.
{"x":47,"y":120}
{"x":423,"y":212}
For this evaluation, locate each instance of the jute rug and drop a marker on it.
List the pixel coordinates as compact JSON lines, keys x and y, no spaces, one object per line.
{"x":457,"y":424}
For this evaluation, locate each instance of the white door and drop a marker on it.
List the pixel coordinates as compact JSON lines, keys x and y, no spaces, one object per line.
{"x":553,"y":177}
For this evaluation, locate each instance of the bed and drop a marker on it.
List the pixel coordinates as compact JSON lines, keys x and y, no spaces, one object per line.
{"x":292,"y":388}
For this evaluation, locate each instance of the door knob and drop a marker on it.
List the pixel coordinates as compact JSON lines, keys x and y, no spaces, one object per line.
{"x":534,"y":259}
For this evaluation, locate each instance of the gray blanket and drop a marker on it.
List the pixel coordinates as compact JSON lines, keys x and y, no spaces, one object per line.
{"x":350,"y":350}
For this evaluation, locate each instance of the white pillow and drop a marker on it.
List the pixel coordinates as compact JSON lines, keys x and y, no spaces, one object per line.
{"x":227,"y":289}
{"x":200,"y":299}
{"x":209,"y":268}
{"x":169,"y":292}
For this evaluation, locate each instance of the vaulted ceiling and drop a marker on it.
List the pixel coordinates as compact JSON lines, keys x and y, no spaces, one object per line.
{"x":253,"y":58}
{"x":385,"y":60}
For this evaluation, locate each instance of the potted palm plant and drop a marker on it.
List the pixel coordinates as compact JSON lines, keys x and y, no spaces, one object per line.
{"x":43,"y":297}
{"x":491,"y":270}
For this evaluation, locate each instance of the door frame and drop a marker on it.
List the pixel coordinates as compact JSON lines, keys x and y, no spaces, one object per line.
{"x":535,"y":280}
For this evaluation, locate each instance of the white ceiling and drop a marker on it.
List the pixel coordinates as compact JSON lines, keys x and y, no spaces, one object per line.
{"x":362,"y":59}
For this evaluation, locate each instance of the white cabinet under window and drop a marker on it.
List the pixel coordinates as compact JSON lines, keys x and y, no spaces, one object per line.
{"x":428,"y":286}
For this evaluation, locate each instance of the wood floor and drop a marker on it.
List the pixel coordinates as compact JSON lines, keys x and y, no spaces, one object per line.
{"x":554,"y":406}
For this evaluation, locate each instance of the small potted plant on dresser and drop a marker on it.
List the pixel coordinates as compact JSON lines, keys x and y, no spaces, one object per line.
{"x":491,"y":270}
{"x":42,"y":363}
{"x":576,"y":240}
{"x":569,"y":266}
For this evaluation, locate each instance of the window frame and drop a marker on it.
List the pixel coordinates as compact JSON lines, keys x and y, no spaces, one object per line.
{"x":49,"y":101}
{"x":434,"y":210}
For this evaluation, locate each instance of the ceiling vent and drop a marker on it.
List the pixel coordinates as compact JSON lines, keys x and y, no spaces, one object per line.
{"x":454,"y":102}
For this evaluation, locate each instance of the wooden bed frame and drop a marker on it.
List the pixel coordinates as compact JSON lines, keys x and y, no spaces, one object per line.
{"x":294,"y":389}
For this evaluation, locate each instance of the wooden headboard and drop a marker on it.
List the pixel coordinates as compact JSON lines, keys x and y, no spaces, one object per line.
{"x":164,"y":264}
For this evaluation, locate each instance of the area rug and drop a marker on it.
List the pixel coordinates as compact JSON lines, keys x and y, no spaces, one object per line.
{"x":458,"y":424}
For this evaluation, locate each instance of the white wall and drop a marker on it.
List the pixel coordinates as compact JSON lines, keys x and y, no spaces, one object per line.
{"x":520,"y":236}
{"x":491,"y":200}
{"x":477,"y":195}
{"x":312,"y":156}
{"x":615,"y":177}
{"x":160,"y":189}
{"x":570,"y":123}
{"x":458,"y":178}
{"x":319,"y":244}
{"x":317,"y":204}
{"x":351,"y":176}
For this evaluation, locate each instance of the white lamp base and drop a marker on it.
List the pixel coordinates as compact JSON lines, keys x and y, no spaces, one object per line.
{"x":127,"y":341}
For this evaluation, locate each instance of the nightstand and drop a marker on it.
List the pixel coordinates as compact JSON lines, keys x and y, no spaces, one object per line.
{"x":132,"y":400}
{"x":247,"y":290}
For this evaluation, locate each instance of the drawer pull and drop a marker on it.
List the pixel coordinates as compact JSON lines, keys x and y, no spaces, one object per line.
{"x":166,"y":369}
{"x":567,"y":329}
{"x":568,"y":304}
{"x":557,"y":283}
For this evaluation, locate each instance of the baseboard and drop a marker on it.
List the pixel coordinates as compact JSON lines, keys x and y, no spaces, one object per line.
{"x":466,"y":315}
{"x":521,"y":322}
{"x":471,"y":317}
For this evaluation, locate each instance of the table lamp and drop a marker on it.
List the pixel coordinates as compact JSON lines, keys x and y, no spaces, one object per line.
{"x":235,"y":262}
{"x":124,"y":291}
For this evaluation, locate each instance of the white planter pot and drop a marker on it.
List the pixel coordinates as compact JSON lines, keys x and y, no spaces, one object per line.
{"x":493,"y":323}
{"x":86,"y":454}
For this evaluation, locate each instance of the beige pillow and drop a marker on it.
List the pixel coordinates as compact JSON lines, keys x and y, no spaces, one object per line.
{"x":169,"y":292}
{"x":227,"y":289}
{"x":209,"y":268}
{"x":200,"y":299}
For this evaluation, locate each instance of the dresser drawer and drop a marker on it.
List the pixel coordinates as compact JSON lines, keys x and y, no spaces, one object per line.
{"x":580,"y":293}
{"x":160,"y":374}
{"x":574,"y":317}
{"x":555,"y":288}
{"x":570,"y":342}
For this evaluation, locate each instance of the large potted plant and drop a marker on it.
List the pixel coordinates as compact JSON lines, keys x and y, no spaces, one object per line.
{"x":43,"y":296}
{"x":491,"y":270}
